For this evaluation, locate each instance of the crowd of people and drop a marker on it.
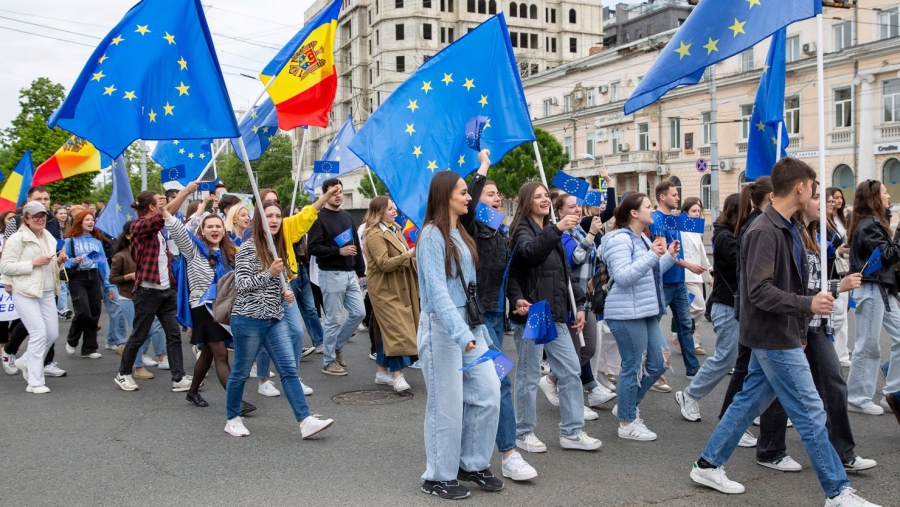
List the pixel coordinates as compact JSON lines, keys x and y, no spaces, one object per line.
{"x":256,"y":282}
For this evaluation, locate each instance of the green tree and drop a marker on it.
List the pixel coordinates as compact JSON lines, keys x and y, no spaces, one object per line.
{"x":272,"y":170}
{"x":520,"y":166}
{"x":365,"y":187}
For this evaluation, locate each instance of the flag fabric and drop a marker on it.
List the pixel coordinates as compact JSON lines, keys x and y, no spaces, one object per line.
{"x":714,"y":31}
{"x":329,"y":167}
{"x":15,"y":191}
{"x":421,"y":128}
{"x":539,"y":326}
{"x":77,"y":156}
{"x":344,"y":238}
{"x":593,"y":198}
{"x":474,"y":129}
{"x":768,"y":112}
{"x":502,"y":364}
{"x":118,"y":210}
{"x":154,"y":76}
{"x":690,"y":224}
{"x":304,"y":73}
{"x":182,"y":160}
{"x":874,"y":262}
{"x":483,"y":358}
{"x":571,"y":185}
{"x":337,"y":151}
{"x":489,"y":216}
{"x":174,"y":174}
{"x":257,"y":129}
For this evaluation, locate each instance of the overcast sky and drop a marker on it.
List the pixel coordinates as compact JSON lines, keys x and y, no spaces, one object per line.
{"x":62,"y":34}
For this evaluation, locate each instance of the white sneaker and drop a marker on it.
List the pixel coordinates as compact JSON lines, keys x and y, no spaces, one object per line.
{"x":307,"y":391}
{"x":530,"y":443}
{"x":164,"y":364}
{"x":600,"y":395}
{"x":716,"y":479}
{"x":785,"y":464}
{"x":253,"y":371}
{"x":417,"y":365}
{"x":384,"y":378}
{"x":361,"y":327}
{"x":549,"y":390}
{"x":267,"y":388}
{"x":883,"y":403}
{"x":756,"y":421}
{"x":747,"y":440}
{"x":320,"y":349}
{"x":636,"y":431}
{"x":372,"y":356}
{"x":20,"y":365}
{"x":604,"y":382}
{"x":400,"y":384}
{"x":9,"y":363}
{"x":580,"y":442}
{"x":70,"y":349}
{"x":126,"y":382}
{"x":859,"y":463}
{"x":516,"y":468}
{"x":54,"y":370}
{"x":848,"y":498}
{"x":545,"y":368}
{"x":615,"y":411}
{"x":590,"y":415}
{"x":870,"y":409}
{"x":37,"y":389}
{"x":149,"y":361}
{"x":182,"y":385}
{"x":194,"y":350}
{"x":235,"y":427}
{"x":690,"y":407}
{"x":92,"y":355}
{"x":312,"y":425}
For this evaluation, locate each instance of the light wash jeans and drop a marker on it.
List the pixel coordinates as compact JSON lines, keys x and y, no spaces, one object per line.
{"x":303,"y":294}
{"x":785,"y":374}
{"x":156,"y":336}
{"x":506,"y":428}
{"x":717,"y":367}
{"x":117,"y":333}
{"x":295,"y":328}
{"x":564,"y":363}
{"x":249,"y":336}
{"x":463,"y":407}
{"x":62,"y":301}
{"x":637,"y":338}
{"x":340,"y":290}
{"x":870,"y":317}
{"x":42,"y":323}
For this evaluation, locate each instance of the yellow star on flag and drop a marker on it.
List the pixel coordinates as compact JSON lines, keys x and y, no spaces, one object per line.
{"x":711,"y":46}
{"x":684,"y":50}
{"x":738,"y":27}
{"x":183,"y":63}
{"x":176,"y":142}
{"x":190,"y":155}
{"x":169,"y":37}
{"x":181,"y":151}
{"x":168,"y":109}
{"x":152,"y":116}
{"x":98,"y":76}
{"x":182,"y":89}
{"x":448,"y":78}
{"x":102,"y":59}
{"x":109,"y":90}
{"x":432,"y":164}
{"x":117,"y":40}
{"x":761,"y":126}
{"x":410,"y":129}
{"x":142,"y":29}
{"x":775,"y":140}
{"x":413,"y":105}
{"x":255,"y":129}
{"x":462,"y":160}
{"x":417,"y":151}
{"x":483,"y":101}
{"x":253,"y":114}
{"x":487,"y":124}
{"x":426,"y":86}
{"x":266,"y":131}
{"x":470,"y":83}
{"x":753,"y":2}
{"x":128,"y":216}
{"x":130,"y":96}
{"x":765,"y":67}
{"x":202,"y":156}
{"x":118,"y":207}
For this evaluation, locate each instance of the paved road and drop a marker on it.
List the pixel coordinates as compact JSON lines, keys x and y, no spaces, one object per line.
{"x":89,"y":443}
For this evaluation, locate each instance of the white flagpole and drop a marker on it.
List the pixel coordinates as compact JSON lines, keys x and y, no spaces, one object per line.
{"x":540,"y":162}
{"x":820,"y":90}
{"x":372,"y":181}
{"x":299,"y":165}
{"x":778,"y":136}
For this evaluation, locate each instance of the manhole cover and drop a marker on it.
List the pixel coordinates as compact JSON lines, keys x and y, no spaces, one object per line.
{"x":371,"y":397}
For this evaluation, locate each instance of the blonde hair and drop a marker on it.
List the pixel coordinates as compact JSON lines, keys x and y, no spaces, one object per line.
{"x":377,"y":207}
{"x":232,"y":214}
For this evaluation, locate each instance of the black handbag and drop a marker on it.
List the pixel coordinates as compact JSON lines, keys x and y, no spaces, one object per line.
{"x":474,"y":316}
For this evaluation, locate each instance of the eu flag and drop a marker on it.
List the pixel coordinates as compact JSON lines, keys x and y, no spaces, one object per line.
{"x":571,"y":185}
{"x":337,"y":152}
{"x":714,"y":31}
{"x":188,"y":158}
{"x":768,"y":112}
{"x":344,"y":238}
{"x":488,"y":216}
{"x":328,"y":167}
{"x":422,"y":126}
{"x":874,"y":263}
{"x":540,"y":326}
{"x":257,"y":129}
{"x":154,"y":76}
{"x":593,"y":198}
{"x":118,"y":210}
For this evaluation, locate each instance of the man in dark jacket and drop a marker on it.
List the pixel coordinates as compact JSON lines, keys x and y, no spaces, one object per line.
{"x":774,"y":315}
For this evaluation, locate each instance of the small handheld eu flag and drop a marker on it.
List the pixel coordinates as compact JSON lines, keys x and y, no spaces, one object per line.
{"x":326,"y":167}
{"x":539,"y":326}
{"x":873,"y":264}
{"x":571,"y":185}
{"x":344,"y":238}
{"x":488,"y":216}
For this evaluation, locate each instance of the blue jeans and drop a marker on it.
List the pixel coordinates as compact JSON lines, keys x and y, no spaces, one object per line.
{"x":462,"y":408}
{"x":506,"y":428}
{"x":870,"y":318}
{"x":295,"y":328}
{"x":156,"y":336}
{"x":117,"y":334}
{"x":677,"y":299}
{"x":785,"y":374}
{"x":564,"y":363}
{"x":635,"y":338}
{"x":250,"y":335}
{"x":340,"y":290}
{"x":62,"y":301}
{"x":717,"y":367}
{"x":303,"y":294}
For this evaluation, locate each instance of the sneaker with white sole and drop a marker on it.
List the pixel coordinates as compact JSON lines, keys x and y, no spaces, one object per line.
{"x":267,"y":388}
{"x":182,"y":385}
{"x":590,"y":415}
{"x":604,"y":382}
{"x":164,"y":363}
{"x":307,"y":351}
{"x":37,"y":389}
{"x":417,"y":365}
{"x":849,"y":498}
{"x":400,"y":384}
{"x":549,"y":390}
{"x":373,"y":356}
{"x":615,"y":411}
{"x":516,"y":468}
{"x":747,"y":440}
{"x":783,"y":464}
{"x":384,"y":378}
{"x":312,"y":425}
{"x":23,"y":369}
{"x":858,"y":463}
{"x":870,"y":409}
{"x":580,"y":442}
{"x":194,"y":350}
{"x":716,"y":479}
{"x":307,"y":391}
{"x":320,"y":349}
{"x":235,"y":427}
{"x":635,"y":430}
{"x":92,"y":355}
{"x":883,"y":403}
{"x":661,"y":386}
{"x":545,"y":368}
{"x":600,"y":395}
{"x":9,"y":363}
{"x":70,"y":350}
{"x":149,"y":361}
{"x":126,"y":382}
{"x":530,"y":443}
{"x":690,"y":407}
{"x":333,"y":368}
{"x":54,"y":370}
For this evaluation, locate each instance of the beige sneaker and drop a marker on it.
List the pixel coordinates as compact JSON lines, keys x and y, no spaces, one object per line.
{"x":334,"y":368}
{"x":339,"y":358}
{"x":142,"y":374}
{"x":661,"y":386}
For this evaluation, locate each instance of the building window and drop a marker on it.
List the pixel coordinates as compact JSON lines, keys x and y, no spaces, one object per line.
{"x":842,"y":36}
{"x":573,"y":17}
{"x":370,"y":47}
{"x":591,"y":99}
{"x":399,"y":32}
{"x":522,"y":10}
{"x":535,"y":68}
{"x":590,"y":141}
{"x":401,"y":64}
{"x":614,"y":88}
{"x":706,"y":190}
{"x":514,"y":39}
{"x":891,"y":100}
{"x":482,"y":7}
{"x":553,"y":44}
{"x":523,"y":40}
{"x":843,"y":108}
{"x":470,"y":6}
{"x":426,"y":58}
{"x":888,"y":23}
{"x":616,"y":140}
{"x":747,"y":60}
{"x":567,"y":103}
{"x":398,"y":4}
{"x":446,"y":5}
{"x":792,"y":49}
{"x":552,"y":15}
{"x":567,"y":146}
{"x":450,"y":36}
{"x":675,"y":133}
{"x":513,"y":10}
{"x":548,"y":108}
{"x":370,"y":76}
{"x":426,"y":4}
{"x":746,"y":113}
{"x":369,"y":12}
{"x":707,"y":128}
{"x":443,"y":35}
{"x":534,"y":40}
{"x":533,"y":12}
{"x":378,"y":70}
{"x":492,"y":7}
{"x":377,"y":37}
{"x":348,"y":31}
{"x":378,"y":95}
{"x":792,"y":114}
{"x":573,"y":45}
{"x":844,"y":180}
{"x":643,"y":137}
{"x":426,"y":31}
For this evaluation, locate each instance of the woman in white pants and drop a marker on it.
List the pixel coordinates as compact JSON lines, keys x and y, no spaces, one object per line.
{"x":29,"y":268}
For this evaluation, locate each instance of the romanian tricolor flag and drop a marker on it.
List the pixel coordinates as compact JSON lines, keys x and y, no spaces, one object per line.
{"x":77,"y":156}
{"x":16,"y":189}
{"x":305,"y":78}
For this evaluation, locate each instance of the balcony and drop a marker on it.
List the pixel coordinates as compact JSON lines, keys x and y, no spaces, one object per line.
{"x":794,"y":143}
{"x":671,"y":155}
{"x":742,"y":147}
{"x":705,"y":151}
{"x":840,"y":138}
{"x":888,"y":132}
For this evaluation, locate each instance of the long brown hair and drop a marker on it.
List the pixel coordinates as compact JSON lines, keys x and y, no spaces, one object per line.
{"x":77,"y":228}
{"x":524,"y":202}
{"x":261,"y":241}
{"x":753,"y":196}
{"x":226,"y":246}
{"x":437,"y":213}
{"x":377,"y":206}
{"x":729,"y":214}
{"x":839,"y":212}
{"x":630,"y":202}
{"x":867,"y":203}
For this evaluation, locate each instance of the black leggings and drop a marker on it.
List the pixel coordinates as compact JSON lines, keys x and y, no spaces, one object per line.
{"x":211,"y":351}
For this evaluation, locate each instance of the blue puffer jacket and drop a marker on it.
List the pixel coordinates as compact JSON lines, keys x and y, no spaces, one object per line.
{"x":636,"y":292}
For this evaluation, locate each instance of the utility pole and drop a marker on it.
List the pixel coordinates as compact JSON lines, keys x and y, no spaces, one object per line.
{"x":143,"y":165}
{"x":713,"y":144}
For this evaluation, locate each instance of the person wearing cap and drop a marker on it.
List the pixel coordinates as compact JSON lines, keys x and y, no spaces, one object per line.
{"x":29,"y":269}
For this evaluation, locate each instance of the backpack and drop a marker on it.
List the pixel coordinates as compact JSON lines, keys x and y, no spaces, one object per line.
{"x":598,"y":288}
{"x":226,"y":293}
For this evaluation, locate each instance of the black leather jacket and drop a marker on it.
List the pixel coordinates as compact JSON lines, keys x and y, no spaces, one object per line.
{"x":493,"y":252}
{"x":868,"y":235}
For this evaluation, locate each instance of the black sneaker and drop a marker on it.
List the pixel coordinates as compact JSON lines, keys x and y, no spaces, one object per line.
{"x":246,"y":408}
{"x":451,"y":490}
{"x":483,"y":478}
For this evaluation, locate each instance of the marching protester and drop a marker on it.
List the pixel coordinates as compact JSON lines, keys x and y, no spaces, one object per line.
{"x":695,"y":253}
{"x":463,"y":407}
{"x":837,"y":226}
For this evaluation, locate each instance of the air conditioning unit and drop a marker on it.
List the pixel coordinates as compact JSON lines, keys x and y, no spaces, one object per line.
{"x":662,"y":169}
{"x":624,"y":147}
{"x":579,"y":95}
{"x":725,"y":165}
{"x":554,"y":102}
{"x":600,"y":136}
{"x":603,"y":88}
{"x":809,"y":48}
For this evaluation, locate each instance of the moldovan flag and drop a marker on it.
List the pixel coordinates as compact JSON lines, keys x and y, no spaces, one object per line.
{"x":304,"y":73}
{"x":77,"y":156}
{"x":16,"y":189}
